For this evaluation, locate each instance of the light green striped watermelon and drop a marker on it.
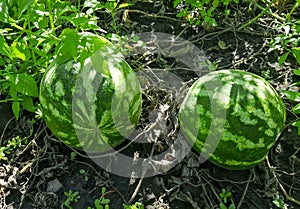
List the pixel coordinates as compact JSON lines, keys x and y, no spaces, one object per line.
{"x":93,"y":106}
{"x":232,"y":117}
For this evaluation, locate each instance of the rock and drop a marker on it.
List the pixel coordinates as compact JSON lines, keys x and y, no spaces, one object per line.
{"x":54,"y":186}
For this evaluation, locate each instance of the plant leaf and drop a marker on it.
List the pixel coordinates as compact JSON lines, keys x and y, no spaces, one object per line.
{"x":124,"y":5}
{"x":97,"y":203}
{"x":27,"y":104}
{"x":91,"y":44}
{"x":20,"y":50}
{"x":297,"y":72}
{"x":105,"y":201}
{"x":69,"y":44}
{"x":176,"y":2}
{"x":296,"y":109}
{"x":4,"y":48}
{"x":297,"y":124}
{"x":283,"y":57}
{"x":13,"y":92}
{"x":4,"y":15}
{"x":23,"y":6}
{"x":26,"y":85}
{"x":16,"y":109}
{"x":292,"y":95}
{"x":103,"y":190}
{"x":296,"y":53}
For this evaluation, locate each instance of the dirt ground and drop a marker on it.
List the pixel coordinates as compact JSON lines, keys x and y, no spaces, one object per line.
{"x":39,"y":176}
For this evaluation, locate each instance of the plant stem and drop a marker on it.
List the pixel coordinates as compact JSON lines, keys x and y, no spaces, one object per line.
{"x":257,"y":17}
{"x":8,"y":100}
{"x":270,"y":13}
{"x":288,"y":16}
{"x":49,"y":6}
{"x":17,"y":26}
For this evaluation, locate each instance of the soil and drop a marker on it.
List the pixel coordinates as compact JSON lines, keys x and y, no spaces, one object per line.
{"x":39,"y":176}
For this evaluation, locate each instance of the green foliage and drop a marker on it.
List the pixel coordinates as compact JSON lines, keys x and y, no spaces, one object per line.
{"x":279,"y":203}
{"x":72,"y":197}
{"x":73,"y":155}
{"x":12,"y":145}
{"x":137,"y":205}
{"x":294,"y":96}
{"x":226,"y":198}
{"x":34,"y":34}
{"x":288,"y":41}
{"x":85,"y":174}
{"x":203,"y":11}
{"x":102,"y":202}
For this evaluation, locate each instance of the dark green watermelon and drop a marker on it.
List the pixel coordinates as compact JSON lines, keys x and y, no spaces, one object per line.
{"x":232,"y":117}
{"x":92,"y":106}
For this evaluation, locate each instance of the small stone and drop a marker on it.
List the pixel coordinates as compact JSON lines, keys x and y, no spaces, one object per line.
{"x":54,"y":186}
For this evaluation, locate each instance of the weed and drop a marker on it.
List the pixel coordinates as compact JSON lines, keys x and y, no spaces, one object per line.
{"x":72,"y":197}
{"x":73,"y":155}
{"x":85,"y":174}
{"x":102,"y":202}
{"x":287,"y":43}
{"x":12,"y":145}
{"x":279,"y":203}
{"x":203,"y":11}
{"x":226,"y":198}
{"x":294,"y":96}
{"x":137,"y":205}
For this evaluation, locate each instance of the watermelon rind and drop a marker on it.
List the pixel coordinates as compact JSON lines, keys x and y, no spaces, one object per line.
{"x":78,"y":100}
{"x":232,"y":117}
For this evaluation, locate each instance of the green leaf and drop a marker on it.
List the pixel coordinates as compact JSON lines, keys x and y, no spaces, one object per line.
{"x":16,"y":109}
{"x":4,"y":15}
{"x":297,"y":72}
{"x":279,"y":203}
{"x":222,"y":206}
{"x":92,"y":4}
{"x":13,"y":92}
{"x":283,"y":57}
{"x":297,"y":124}
{"x":227,"y":12}
{"x":124,"y":5}
{"x":69,"y":44}
{"x":105,"y":201}
{"x":97,"y":203}
{"x":292,"y":95}
{"x":73,"y":155}
{"x":23,"y":6}
{"x":183,"y":13}
{"x":91,"y":44}
{"x":176,"y":2}
{"x":20,"y":50}
{"x":296,"y":53}
{"x":27,"y":104}
{"x":103,"y":190}
{"x":4,"y":48}
{"x":215,"y":3}
{"x":296,"y":109}
{"x":232,"y":206}
{"x":26,"y":85}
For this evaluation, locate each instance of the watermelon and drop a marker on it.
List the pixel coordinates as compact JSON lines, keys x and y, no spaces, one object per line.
{"x":92,"y":105}
{"x":232,"y":118}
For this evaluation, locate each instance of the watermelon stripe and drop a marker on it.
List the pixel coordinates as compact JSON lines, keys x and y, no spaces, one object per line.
{"x":77,"y":101}
{"x":255,"y":114}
